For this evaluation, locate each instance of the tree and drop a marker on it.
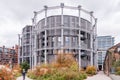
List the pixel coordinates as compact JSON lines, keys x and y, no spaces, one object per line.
{"x":25,"y":65}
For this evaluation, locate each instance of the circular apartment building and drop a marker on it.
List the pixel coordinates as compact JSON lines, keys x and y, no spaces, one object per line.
{"x":64,"y":31}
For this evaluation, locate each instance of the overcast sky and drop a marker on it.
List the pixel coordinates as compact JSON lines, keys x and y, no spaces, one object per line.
{"x":15,"y":14}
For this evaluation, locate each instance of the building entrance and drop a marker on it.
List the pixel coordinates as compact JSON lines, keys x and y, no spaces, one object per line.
{"x":100,"y":67}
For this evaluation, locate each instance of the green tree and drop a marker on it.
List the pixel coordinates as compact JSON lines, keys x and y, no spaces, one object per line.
{"x":25,"y":65}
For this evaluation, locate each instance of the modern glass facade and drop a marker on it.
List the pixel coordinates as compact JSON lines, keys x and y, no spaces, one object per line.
{"x":103,"y":43}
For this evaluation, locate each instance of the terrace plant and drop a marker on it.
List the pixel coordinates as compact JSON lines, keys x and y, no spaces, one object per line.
{"x":65,"y":67}
{"x":6,"y":75}
{"x":91,"y":70}
{"x":25,"y":66}
{"x":16,"y":70}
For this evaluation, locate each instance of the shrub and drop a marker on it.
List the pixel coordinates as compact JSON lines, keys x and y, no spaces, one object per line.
{"x":31,"y":75}
{"x":6,"y":75}
{"x":118,"y":68}
{"x":74,"y":66}
{"x":117,"y":73}
{"x":91,"y":70}
{"x":65,"y":60}
{"x":64,"y":68}
{"x":25,"y":66}
{"x":17,"y":67}
{"x":116,"y":64}
{"x":16,"y":71}
{"x":63,"y":75}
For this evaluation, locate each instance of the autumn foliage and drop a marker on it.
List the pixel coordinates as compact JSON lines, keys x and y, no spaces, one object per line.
{"x":6,"y":75}
{"x":64,"y":67}
{"x":9,"y":74}
{"x":91,"y":70}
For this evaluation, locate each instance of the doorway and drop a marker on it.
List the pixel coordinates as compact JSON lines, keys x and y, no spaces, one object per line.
{"x":100,"y":67}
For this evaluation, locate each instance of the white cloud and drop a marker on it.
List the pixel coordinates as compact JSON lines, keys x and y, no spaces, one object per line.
{"x":15,"y":14}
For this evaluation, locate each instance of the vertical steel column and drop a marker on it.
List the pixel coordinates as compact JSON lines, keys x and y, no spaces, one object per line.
{"x":91,"y":55}
{"x":32,"y":55}
{"x":18,"y":48}
{"x":70,"y":45}
{"x":62,"y":25}
{"x":45,"y":34}
{"x":35,"y":54}
{"x":22,"y":48}
{"x":32,"y":43}
{"x":30,"y":48}
{"x":96,"y":41}
{"x":79,"y":9}
{"x":34,"y":40}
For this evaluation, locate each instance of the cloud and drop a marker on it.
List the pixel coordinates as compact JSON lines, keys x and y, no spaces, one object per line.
{"x":15,"y":14}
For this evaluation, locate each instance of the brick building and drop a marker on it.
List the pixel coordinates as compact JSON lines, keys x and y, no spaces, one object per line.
{"x":8,"y":55}
{"x":112,"y":55}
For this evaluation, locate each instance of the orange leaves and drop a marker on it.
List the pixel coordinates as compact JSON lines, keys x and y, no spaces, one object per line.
{"x":91,"y":70}
{"x":6,"y":75}
{"x":17,"y":68}
{"x":65,"y":67}
{"x":64,"y":60}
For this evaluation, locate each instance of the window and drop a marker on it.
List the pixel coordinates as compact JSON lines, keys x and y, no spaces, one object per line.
{"x":6,"y":50}
{"x":53,"y":41}
{"x":74,"y":41}
{"x":66,"y":21}
{"x":66,"y":32}
{"x":12,"y":51}
{"x":83,"y":23}
{"x":58,"y":31}
{"x":58,"y":21}
{"x":59,"y":41}
{"x":52,"y":22}
{"x":67,"y":41}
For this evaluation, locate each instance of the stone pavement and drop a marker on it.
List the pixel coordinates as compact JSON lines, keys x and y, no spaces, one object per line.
{"x":114,"y":77}
{"x":21,"y":78}
{"x":99,"y":76}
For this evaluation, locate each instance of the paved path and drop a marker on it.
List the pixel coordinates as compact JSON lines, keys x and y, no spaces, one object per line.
{"x":99,"y":76}
{"x":115,"y":77}
{"x":21,"y":78}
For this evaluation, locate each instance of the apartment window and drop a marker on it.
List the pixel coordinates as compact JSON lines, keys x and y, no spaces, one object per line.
{"x":58,"y":31}
{"x":74,"y":41}
{"x":12,"y":51}
{"x":58,"y":21}
{"x":52,"y":22}
{"x":0,"y":50}
{"x":66,"y":21}
{"x":6,"y":50}
{"x":73,"y":19}
{"x":28,"y":35}
{"x":83,"y":23}
{"x":53,"y":41}
{"x":66,"y":32}
{"x":67,"y":41}
{"x":59,"y":41}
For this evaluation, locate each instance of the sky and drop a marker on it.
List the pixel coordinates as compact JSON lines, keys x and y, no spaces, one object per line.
{"x":16,"y":14}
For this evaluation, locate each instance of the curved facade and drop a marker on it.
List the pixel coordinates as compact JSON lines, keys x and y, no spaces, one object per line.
{"x":69,"y":33}
{"x":53,"y":36}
